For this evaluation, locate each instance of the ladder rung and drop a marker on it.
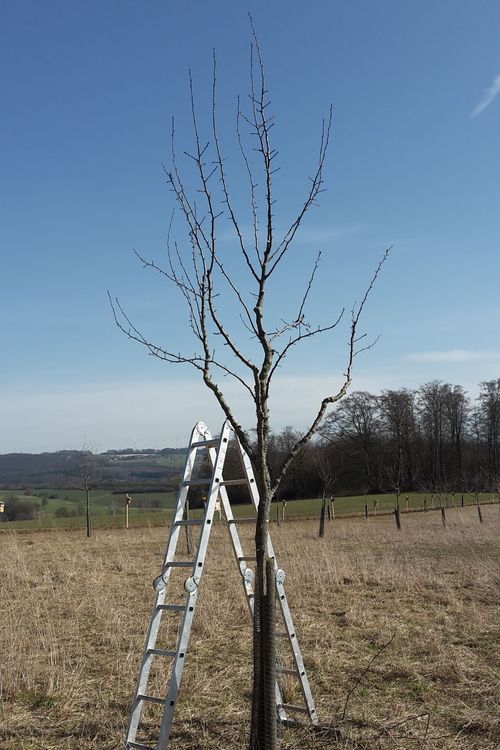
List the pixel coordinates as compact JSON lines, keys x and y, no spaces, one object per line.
{"x":138,"y":746}
{"x":293,"y":707}
{"x":286,"y":670}
{"x":190,"y":482}
{"x":190,"y":522}
{"x":180,"y":564}
{"x":151,"y":699}
{"x":234,"y":482}
{"x":247,"y":557}
{"x":161,"y":652}
{"x":205,"y":443}
{"x":171,"y":607}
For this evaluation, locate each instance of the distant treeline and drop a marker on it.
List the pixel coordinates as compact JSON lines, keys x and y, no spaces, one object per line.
{"x":432,"y":438}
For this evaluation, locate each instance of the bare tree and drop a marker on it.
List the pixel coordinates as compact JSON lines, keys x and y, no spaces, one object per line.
{"x":326,"y":472}
{"x":489,"y":421}
{"x":456,"y":409}
{"x":397,"y":408}
{"x":249,"y":347}
{"x":356,"y":423}
{"x":431,"y":402}
{"x":85,"y":473}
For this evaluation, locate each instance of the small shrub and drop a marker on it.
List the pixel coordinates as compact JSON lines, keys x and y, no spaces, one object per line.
{"x":62,"y":512}
{"x":17,"y":509}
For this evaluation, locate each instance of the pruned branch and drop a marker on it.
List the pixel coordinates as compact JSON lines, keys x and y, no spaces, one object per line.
{"x":314,"y":190}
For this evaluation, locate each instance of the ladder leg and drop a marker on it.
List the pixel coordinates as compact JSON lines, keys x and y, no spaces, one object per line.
{"x":161,"y":583}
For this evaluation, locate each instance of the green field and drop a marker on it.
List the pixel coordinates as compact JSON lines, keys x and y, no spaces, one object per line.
{"x":107,"y":509}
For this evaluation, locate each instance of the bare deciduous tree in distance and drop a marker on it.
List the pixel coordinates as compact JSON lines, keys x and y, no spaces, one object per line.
{"x":85,"y":474}
{"x":201,"y":275}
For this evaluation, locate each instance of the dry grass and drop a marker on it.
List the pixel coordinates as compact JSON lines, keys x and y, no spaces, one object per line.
{"x":73,"y":613}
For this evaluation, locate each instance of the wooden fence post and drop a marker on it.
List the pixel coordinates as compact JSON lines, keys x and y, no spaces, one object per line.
{"x":322,"y":519}
{"x":443,"y":516}
{"x":398,"y":518}
{"x":128,"y":500}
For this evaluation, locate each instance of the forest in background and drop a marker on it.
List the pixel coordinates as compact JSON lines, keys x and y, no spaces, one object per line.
{"x":429,"y":439}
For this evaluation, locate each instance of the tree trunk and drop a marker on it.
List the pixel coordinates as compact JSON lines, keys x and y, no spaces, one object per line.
{"x":87,"y":495}
{"x":322,"y":519}
{"x":263,"y":734}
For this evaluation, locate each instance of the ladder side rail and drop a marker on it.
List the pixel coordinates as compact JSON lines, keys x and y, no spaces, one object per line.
{"x":238,"y":550}
{"x":247,"y":466}
{"x":192,"y":588}
{"x":174,"y":683}
{"x":297,"y":655}
{"x":156,"y":615}
{"x":235,"y":539}
{"x":254,"y":494}
{"x":200,"y":431}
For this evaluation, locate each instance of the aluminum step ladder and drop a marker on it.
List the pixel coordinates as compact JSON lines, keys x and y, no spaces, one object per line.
{"x":215,"y":451}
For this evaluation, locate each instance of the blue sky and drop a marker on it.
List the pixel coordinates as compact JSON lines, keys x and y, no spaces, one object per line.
{"x":88,"y":90}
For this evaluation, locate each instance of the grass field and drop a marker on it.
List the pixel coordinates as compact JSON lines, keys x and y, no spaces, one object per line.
{"x":400,"y":634}
{"x":107,"y":510}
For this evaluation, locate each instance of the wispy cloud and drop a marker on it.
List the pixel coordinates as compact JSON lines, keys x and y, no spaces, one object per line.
{"x":453,"y":356}
{"x":487,"y":97}
{"x":307,"y":234}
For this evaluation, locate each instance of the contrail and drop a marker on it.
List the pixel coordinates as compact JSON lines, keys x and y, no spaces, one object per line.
{"x":488,"y":96}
